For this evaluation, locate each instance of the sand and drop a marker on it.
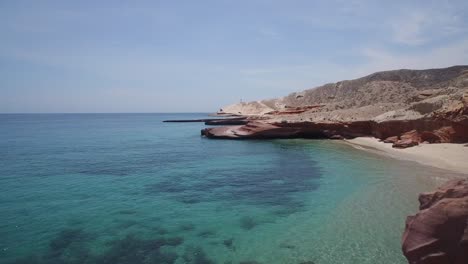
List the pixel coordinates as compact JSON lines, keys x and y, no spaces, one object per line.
{"x":453,"y":157}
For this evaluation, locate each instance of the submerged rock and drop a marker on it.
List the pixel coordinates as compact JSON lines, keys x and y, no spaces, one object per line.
{"x":438,"y":234}
{"x":196,"y":255}
{"x":228,"y":243}
{"x":247,"y":223}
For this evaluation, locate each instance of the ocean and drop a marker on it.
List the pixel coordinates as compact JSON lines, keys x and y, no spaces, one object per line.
{"x":128,"y":188}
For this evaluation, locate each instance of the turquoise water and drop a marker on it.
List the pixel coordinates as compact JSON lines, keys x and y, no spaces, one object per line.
{"x":127,"y":188}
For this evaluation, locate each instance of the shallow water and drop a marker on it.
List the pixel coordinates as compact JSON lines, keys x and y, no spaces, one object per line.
{"x":127,"y":188}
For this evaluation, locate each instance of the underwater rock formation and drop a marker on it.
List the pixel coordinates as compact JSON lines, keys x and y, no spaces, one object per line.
{"x":74,"y":246}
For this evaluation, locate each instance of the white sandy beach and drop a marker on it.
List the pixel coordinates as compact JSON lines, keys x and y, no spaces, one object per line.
{"x":453,"y":157}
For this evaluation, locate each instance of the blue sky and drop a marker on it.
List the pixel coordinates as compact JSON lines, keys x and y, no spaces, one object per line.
{"x":186,"y":56}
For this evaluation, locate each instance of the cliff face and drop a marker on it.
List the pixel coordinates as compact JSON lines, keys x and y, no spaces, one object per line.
{"x":401,"y":133}
{"x":439,"y":232}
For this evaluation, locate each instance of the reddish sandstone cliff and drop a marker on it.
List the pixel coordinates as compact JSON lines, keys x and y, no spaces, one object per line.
{"x":438,"y":234}
{"x":402,"y":133}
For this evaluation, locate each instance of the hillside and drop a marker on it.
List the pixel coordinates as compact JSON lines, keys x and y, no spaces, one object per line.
{"x":398,"y":94}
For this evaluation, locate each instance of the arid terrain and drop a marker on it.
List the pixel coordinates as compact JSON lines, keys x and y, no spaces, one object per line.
{"x":389,"y":95}
{"x":402,"y":107}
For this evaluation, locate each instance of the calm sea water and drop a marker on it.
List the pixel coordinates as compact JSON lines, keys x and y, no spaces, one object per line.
{"x":127,"y":188}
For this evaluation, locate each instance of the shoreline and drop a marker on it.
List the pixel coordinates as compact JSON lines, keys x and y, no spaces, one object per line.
{"x":447,"y":156}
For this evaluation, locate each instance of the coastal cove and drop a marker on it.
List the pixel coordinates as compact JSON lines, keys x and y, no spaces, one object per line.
{"x":103,"y":188}
{"x":234,"y":132}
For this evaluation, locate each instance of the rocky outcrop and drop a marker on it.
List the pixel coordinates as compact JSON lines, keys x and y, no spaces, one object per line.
{"x":254,"y":130}
{"x":264,"y":130}
{"x":401,"y":133}
{"x":438,"y":233}
{"x":403,"y":107}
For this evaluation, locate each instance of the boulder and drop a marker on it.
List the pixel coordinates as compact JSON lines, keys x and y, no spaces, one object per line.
{"x":412,"y":135}
{"x":430,"y":137}
{"x":447,"y":134}
{"x":392,"y":139}
{"x":438,"y":234}
{"x":405,"y":143}
{"x":408,"y":139}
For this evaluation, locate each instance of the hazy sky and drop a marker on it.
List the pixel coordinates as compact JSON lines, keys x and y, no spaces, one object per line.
{"x":185,"y":56}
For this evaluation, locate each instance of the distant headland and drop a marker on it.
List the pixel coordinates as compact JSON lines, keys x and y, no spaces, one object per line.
{"x":402,"y":107}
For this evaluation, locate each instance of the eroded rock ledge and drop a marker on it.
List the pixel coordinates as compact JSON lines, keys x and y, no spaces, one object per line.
{"x":401,"y":133}
{"x":438,"y":233}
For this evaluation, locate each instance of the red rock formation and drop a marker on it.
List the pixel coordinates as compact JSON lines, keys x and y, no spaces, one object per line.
{"x":259,"y":130}
{"x":408,"y":139}
{"x":403,"y":107}
{"x":438,"y":234}
{"x":402,"y":133}
{"x":405,"y":143}
{"x":392,"y":139}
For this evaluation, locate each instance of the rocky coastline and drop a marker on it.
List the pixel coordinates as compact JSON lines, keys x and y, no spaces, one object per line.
{"x":404,"y":108}
{"x":438,"y":233}
{"x":400,"y":133}
{"x":433,"y":109}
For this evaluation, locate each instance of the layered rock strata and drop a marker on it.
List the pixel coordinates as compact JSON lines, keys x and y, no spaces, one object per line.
{"x":402,"y":133}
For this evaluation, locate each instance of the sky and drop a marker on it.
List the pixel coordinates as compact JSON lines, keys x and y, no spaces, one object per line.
{"x":197,"y":56}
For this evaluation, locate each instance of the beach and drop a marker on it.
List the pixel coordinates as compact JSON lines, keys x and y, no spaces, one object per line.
{"x":447,"y":156}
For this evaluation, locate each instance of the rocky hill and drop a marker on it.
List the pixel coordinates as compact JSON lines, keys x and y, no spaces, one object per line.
{"x":402,"y":107}
{"x":399,"y":94}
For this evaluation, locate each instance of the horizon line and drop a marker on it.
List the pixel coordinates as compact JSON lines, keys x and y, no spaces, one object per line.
{"x":41,"y":113}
